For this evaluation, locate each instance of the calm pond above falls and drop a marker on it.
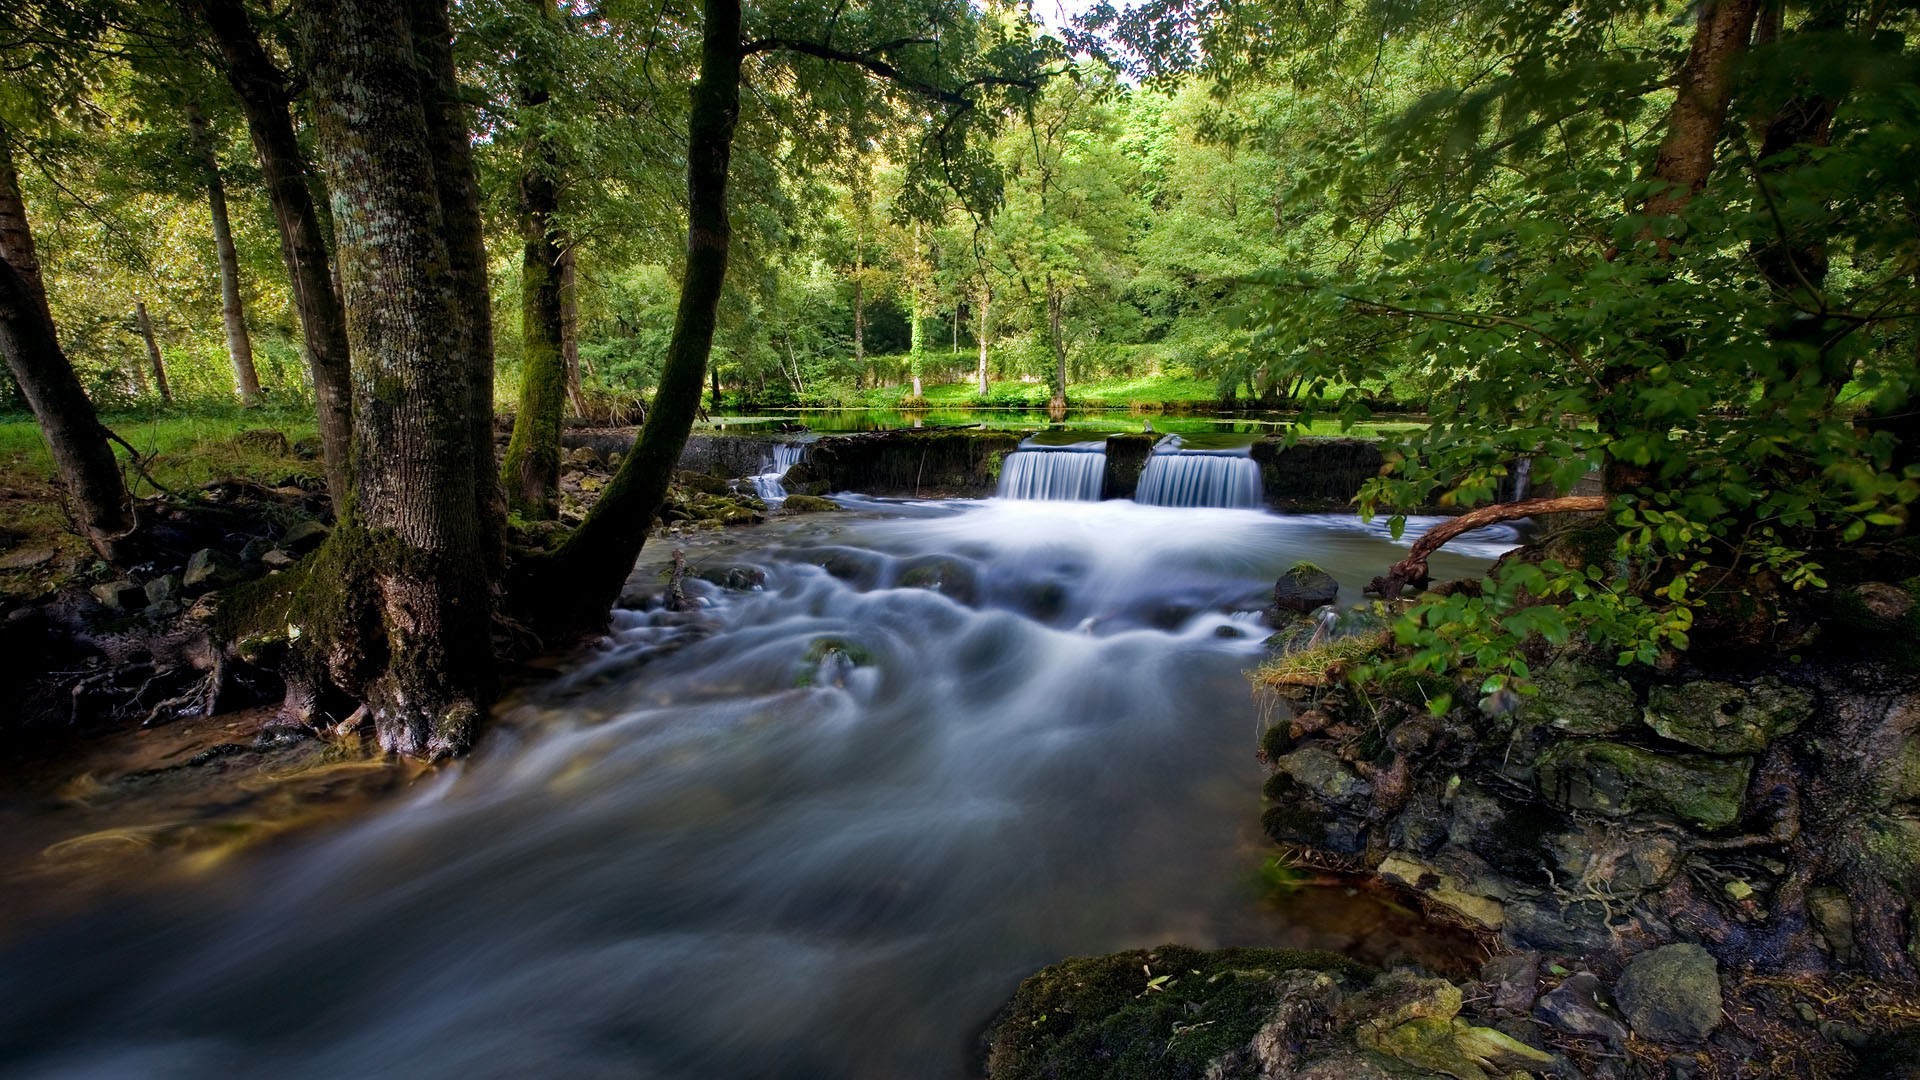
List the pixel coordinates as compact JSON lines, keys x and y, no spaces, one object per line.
{"x":819,"y":830}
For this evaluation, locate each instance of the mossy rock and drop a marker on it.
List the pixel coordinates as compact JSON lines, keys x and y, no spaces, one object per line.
{"x":1581,"y":700}
{"x":1160,"y":1014}
{"x":1616,"y":780}
{"x":1723,"y":718}
{"x":808,"y":504}
{"x":949,"y":577}
{"x":702,"y":482}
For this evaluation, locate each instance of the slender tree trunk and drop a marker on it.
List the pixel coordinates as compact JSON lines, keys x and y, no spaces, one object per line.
{"x":570,"y":327}
{"x":246,"y":381}
{"x":600,"y":554}
{"x":138,"y":369}
{"x":714,"y":372}
{"x":154,"y":359}
{"x":917,"y":331}
{"x":986,"y":327}
{"x":1056,"y":306}
{"x":531,"y":471}
{"x":28,"y":340}
{"x":859,"y":306}
{"x":413,"y":569}
{"x":262,"y":90}
{"x":450,"y":145}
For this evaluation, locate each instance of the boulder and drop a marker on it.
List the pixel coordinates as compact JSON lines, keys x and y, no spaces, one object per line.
{"x":304,"y":537}
{"x":1616,"y":780}
{"x":1581,"y":700}
{"x":1304,"y":587}
{"x":163,"y":588}
{"x":206,"y":569}
{"x":277,"y":560}
{"x":122,"y":595}
{"x":585,"y":457}
{"x":1512,"y":981}
{"x":1671,"y":994}
{"x":1574,"y":1007}
{"x":736,"y":578}
{"x":808,"y":504}
{"x":1723,"y":718}
{"x":702,"y":482}
{"x":1455,"y":880}
{"x":949,"y":577}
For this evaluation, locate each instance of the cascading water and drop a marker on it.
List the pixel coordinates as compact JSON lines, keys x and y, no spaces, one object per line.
{"x":1217,"y":478}
{"x":815,"y":828}
{"x":1076,"y":473}
{"x":769,"y":484}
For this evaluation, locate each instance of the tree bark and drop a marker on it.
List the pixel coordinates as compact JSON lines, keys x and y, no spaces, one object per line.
{"x":413,"y":532}
{"x":263,"y":95}
{"x":1412,"y":570}
{"x":246,"y":381}
{"x":859,"y":305}
{"x":1699,"y":111}
{"x":1056,"y":306}
{"x":154,"y":359}
{"x":570,"y":328}
{"x":46,"y":379}
{"x":600,"y":554}
{"x":986,"y":325}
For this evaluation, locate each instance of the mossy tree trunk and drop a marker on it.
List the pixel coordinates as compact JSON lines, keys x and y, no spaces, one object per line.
{"x":600,"y":554}
{"x":531,"y":471}
{"x":265,"y":99}
{"x":233,"y":314}
{"x":46,"y":379}
{"x":402,"y":619}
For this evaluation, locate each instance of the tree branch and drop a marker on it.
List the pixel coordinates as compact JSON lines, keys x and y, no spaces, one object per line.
{"x":1412,"y":570}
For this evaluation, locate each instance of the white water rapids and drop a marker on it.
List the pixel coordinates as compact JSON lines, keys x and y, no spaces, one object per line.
{"x":817,"y":829}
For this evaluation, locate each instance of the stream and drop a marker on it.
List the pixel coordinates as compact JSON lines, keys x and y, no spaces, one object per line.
{"x":820,"y":827}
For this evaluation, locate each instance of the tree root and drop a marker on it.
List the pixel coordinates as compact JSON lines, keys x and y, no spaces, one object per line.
{"x":1412,"y":570}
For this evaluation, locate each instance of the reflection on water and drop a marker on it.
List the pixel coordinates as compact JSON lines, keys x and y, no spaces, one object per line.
{"x":816,"y":829}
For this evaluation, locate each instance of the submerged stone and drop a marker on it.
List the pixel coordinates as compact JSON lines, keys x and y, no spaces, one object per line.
{"x":1723,"y":718}
{"x":1616,"y":780}
{"x":1671,"y":994}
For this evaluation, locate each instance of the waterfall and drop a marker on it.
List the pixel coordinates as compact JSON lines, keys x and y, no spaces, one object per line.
{"x":1522,"y":475}
{"x":1076,"y":473}
{"x":1176,"y":477}
{"x":773,"y":470}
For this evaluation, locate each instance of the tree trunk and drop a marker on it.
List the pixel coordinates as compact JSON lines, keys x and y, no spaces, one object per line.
{"x":246,"y":381}
{"x":154,"y":360}
{"x":450,"y":145}
{"x":531,"y":471}
{"x":570,"y":328}
{"x":1056,"y":305}
{"x":263,"y":95}
{"x":986,"y":299}
{"x":859,"y":307}
{"x":600,"y":554}
{"x":917,"y":328}
{"x":46,"y":379}
{"x":408,"y":601}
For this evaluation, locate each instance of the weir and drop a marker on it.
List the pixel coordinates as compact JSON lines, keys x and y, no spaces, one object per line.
{"x":1073,"y":473}
{"x":1178,"y":477}
{"x":773,"y":469}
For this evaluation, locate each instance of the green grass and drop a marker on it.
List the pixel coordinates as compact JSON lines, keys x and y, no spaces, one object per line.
{"x":186,"y":449}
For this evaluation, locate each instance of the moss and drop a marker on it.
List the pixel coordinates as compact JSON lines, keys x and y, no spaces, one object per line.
{"x":1159,"y":1014}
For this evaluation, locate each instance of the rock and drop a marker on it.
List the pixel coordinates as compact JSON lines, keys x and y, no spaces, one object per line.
{"x":1574,"y":1007}
{"x":1671,"y":994}
{"x":614,"y":459}
{"x":1723,"y":718}
{"x":585,"y":457}
{"x":255,"y":548}
{"x":206,"y":569}
{"x":1454,"y":884}
{"x":704,"y":483}
{"x":277,"y":560}
{"x":949,"y":577}
{"x":1513,"y":981}
{"x":1317,"y":801}
{"x":808,"y":504}
{"x":1304,"y":587}
{"x":1833,"y":918}
{"x":263,"y":441}
{"x":309,"y":448}
{"x":1400,"y":996}
{"x":304,"y":537}
{"x":1884,"y":601}
{"x":1581,"y":700}
{"x":1580,"y":928}
{"x":122,"y":595}
{"x":737,"y":578}
{"x":165,"y":587}
{"x":1616,"y":780}
{"x":26,"y":558}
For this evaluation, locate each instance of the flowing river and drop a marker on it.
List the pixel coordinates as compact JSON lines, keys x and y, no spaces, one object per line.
{"x":818,"y":828}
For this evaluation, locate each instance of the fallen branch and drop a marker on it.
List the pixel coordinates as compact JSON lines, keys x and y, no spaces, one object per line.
{"x":1412,"y":570}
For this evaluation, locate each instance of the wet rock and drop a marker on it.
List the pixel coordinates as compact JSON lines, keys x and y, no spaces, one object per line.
{"x":1304,"y":587}
{"x":585,"y":457}
{"x":804,"y":479}
{"x":808,"y":504}
{"x":122,"y":595}
{"x":949,"y":577}
{"x":703,"y":483}
{"x":1723,"y":718}
{"x":1671,"y":994}
{"x":1453,"y":879}
{"x":1574,"y":1007}
{"x":277,"y":560}
{"x":1580,"y":928}
{"x":1581,"y":700}
{"x":1512,"y":981}
{"x":1616,"y":780}
{"x":207,"y":569}
{"x":737,"y":578}
{"x":163,"y":588}
{"x":304,"y":537}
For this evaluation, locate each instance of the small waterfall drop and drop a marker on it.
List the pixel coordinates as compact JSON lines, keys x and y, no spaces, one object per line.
{"x":1522,"y":478}
{"x":1177,"y":477}
{"x":1076,"y":473}
{"x":773,"y":470}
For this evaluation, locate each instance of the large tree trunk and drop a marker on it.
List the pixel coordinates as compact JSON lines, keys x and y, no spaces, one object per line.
{"x":570,"y":327}
{"x":246,"y":381}
{"x":409,"y":599}
{"x":39,"y":367}
{"x":155,"y":361}
{"x":264,"y":98}
{"x":600,"y":554}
